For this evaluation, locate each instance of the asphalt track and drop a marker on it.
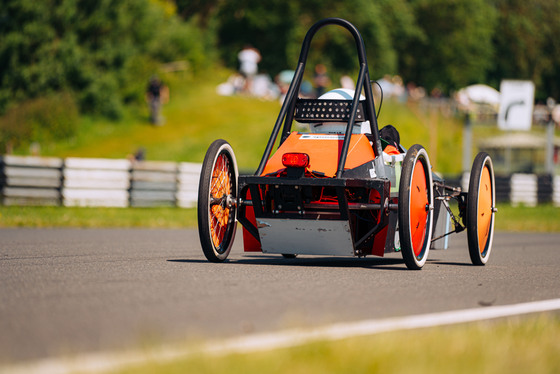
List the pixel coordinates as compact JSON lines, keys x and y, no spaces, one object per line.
{"x":67,"y":291}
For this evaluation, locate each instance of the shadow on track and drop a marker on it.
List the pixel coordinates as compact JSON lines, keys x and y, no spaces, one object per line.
{"x":448,"y":263}
{"x":324,"y":262}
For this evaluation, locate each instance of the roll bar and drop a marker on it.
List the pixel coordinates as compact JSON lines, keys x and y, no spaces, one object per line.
{"x":363,"y":82}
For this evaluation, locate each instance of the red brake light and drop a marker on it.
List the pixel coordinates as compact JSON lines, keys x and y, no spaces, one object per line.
{"x":295,"y":160}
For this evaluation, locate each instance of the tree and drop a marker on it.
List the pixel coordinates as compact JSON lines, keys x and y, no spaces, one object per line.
{"x":454,"y":48}
{"x":277,"y":29}
{"x":527,"y":44}
{"x":95,"y":49}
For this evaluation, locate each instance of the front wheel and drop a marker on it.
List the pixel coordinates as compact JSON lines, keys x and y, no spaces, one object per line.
{"x":415,"y":212}
{"x":217,"y":201}
{"x":481,"y":199}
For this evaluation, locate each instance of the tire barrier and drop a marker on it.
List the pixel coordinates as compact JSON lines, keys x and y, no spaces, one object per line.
{"x":95,"y":182}
{"x":523,"y":189}
{"x":187,"y":184}
{"x":556,"y":191}
{"x":30,"y":180}
{"x":153,"y":183}
{"x":26,"y":180}
{"x":545,"y":189}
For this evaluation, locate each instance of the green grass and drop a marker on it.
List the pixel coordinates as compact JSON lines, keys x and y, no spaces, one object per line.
{"x":97,"y":217}
{"x":516,"y":345}
{"x":545,"y":218}
{"x":196,"y":116}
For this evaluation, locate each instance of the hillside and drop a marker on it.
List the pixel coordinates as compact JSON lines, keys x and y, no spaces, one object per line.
{"x":196,"y":115}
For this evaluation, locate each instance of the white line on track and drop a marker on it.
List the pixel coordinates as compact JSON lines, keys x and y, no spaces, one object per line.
{"x":96,"y":363}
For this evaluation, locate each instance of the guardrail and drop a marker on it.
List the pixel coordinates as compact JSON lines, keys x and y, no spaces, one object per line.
{"x":522,"y":189}
{"x":153,"y":184}
{"x":97,"y":182}
{"x":30,"y":180}
{"x":120,"y":183}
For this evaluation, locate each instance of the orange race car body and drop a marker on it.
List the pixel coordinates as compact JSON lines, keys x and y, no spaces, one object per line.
{"x":341,"y":188}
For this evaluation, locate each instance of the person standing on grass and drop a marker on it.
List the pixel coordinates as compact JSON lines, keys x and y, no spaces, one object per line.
{"x":156,"y":94}
{"x":321,"y":79}
{"x":249,"y":59}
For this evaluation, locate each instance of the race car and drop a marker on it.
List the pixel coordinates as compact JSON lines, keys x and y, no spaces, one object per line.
{"x":343,"y":187}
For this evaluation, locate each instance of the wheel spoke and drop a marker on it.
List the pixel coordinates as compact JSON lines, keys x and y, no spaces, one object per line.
{"x":220,"y":188}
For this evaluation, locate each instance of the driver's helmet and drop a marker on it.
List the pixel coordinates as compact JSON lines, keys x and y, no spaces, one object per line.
{"x":340,"y":127}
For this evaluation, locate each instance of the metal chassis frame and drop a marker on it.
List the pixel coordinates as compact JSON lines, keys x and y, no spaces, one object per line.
{"x":256,"y":185}
{"x":461,"y":197}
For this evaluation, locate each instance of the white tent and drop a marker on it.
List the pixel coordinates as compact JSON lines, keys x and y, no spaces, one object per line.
{"x":480,"y":94}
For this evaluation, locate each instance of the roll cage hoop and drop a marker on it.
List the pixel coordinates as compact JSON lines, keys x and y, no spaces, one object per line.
{"x":286,"y":115}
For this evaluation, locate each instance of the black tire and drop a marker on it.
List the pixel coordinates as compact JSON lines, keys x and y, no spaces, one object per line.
{"x":289,"y":255}
{"x":217,"y":201}
{"x":416,"y":201}
{"x":481,"y":199}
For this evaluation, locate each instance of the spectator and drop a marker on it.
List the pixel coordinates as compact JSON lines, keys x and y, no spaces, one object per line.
{"x":321,"y":79}
{"x":386,"y":85}
{"x":347,"y":82}
{"x":249,"y":59}
{"x":138,"y":156}
{"x":156,"y":94}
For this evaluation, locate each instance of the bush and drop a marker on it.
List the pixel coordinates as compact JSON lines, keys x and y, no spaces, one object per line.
{"x":178,"y":40}
{"x":40,"y":120}
{"x":101,"y":97}
{"x":88,"y":48}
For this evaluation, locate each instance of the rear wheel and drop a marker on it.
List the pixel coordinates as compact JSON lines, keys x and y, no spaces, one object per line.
{"x":480,"y":209}
{"x":217,"y":201}
{"x":416,"y":201}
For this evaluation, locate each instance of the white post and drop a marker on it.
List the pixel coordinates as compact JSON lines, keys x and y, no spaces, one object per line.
{"x":549,"y":154}
{"x":467,"y":143}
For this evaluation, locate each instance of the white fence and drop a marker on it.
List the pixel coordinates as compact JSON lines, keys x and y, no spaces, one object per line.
{"x":187,"y":184}
{"x":524,"y":189}
{"x":120,"y":183}
{"x":556,"y":191}
{"x":153,"y":184}
{"x":97,"y":182}
{"x":30,"y":180}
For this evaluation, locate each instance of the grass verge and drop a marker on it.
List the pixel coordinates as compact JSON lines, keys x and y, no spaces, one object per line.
{"x":97,"y":217}
{"x":515,"y":345}
{"x":544,"y":218}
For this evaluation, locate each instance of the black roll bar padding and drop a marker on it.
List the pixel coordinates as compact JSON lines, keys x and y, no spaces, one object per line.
{"x":349,"y":127}
{"x":286,"y":114}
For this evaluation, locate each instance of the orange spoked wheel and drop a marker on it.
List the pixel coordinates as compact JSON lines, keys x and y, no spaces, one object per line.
{"x":481,"y":199}
{"x":416,"y":201}
{"x":217,"y":201}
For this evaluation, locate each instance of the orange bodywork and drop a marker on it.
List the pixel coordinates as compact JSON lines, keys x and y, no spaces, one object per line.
{"x":324,"y":153}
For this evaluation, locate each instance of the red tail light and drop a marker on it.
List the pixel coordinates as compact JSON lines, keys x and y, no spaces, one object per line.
{"x":295,"y":160}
